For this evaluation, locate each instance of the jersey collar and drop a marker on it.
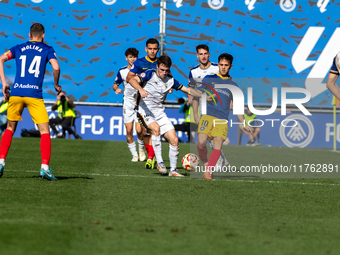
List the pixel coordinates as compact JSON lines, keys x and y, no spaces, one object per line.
{"x":148,"y":59}
{"x":224,"y":78}
{"x":206,"y":67}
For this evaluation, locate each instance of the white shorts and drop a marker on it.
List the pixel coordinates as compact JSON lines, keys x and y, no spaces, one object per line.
{"x":161,"y":119}
{"x":129,"y":115}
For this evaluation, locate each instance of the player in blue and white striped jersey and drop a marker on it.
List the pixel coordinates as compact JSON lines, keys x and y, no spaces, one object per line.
{"x":129,"y":113}
{"x":158,"y":83}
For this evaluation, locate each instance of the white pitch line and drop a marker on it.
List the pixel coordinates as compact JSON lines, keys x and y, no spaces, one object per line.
{"x":180,"y":178}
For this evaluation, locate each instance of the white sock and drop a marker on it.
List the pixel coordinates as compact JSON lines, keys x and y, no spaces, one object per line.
{"x":45,"y":167}
{"x":132,"y":148}
{"x":140,"y":144}
{"x":157,"y":147}
{"x":173,"y":156}
{"x":2,"y":161}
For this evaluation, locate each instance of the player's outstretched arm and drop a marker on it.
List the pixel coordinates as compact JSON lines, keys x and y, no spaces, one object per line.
{"x":5,"y":86}
{"x":191,"y":92}
{"x":330,"y":84}
{"x":56,"y":74}
{"x":129,"y":76}
{"x":134,"y":82}
{"x":195,"y":94}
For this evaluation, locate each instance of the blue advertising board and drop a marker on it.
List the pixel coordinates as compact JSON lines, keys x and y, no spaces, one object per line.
{"x":291,"y":130}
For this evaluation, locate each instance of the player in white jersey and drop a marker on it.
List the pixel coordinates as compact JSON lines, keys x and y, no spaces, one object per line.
{"x":151,"y":110}
{"x":129,"y":114}
{"x":196,"y":75}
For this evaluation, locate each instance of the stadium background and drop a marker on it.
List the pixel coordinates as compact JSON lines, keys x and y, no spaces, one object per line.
{"x":273,"y":46}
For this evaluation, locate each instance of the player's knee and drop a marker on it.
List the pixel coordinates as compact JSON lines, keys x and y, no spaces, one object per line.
{"x":156,"y":131}
{"x":201,"y":143}
{"x":174,"y":141}
{"x":129,"y":132}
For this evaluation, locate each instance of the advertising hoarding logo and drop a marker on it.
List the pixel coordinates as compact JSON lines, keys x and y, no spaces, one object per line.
{"x":178,"y":3}
{"x":314,"y":82}
{"x":109,"y":2}
{"x":288,"y":5}
{"x":322,"y":4}
{"x":250,"y":4}
{"x":300,"y":134}
{"x":215,"y":4}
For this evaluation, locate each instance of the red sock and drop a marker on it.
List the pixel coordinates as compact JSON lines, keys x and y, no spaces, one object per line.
{"x":213,"y":158}
{"x":151,"y":152}
{"x":203,"y":153}
{"x":5,"y":143}
{"x":45,"y":148}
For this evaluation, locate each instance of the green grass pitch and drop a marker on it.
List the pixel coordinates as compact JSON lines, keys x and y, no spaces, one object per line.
{"x":105,"y":204}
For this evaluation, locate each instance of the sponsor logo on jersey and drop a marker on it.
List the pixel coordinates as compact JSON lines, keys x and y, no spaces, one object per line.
{"x":26,"y":86}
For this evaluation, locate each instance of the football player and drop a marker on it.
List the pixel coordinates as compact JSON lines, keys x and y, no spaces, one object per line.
{"x":129,"y":114}
{"x":210,"y":125}
{"x":140,"y":66}
{"x":31,"y":59}
{"x":158,"y":83}
{"x":196,"y":75}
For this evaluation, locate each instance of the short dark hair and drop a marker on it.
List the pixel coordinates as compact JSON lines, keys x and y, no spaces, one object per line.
{"x":165,"y":60}
{"x":202,"y":46}
{"x":132,"y":51}
{"x":37,"y":30}
{"x":226,"y":56}
{"x":152,"y":41}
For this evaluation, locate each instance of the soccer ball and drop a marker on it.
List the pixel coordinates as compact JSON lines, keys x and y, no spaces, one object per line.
{"x":190,"y":161}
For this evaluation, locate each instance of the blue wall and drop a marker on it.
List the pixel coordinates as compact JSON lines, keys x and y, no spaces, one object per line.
{"x":90,"y":38}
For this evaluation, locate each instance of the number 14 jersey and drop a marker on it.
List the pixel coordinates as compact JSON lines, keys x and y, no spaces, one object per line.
{"x":31,"y":60}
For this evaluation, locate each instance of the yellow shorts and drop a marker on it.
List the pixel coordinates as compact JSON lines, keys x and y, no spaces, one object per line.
{"x":213,"y":128}
{"x":35,"y":106}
